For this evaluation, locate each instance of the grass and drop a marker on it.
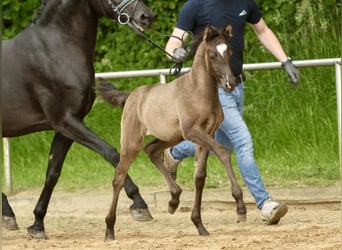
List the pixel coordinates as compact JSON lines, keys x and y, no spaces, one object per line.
{"x":295,"y":139}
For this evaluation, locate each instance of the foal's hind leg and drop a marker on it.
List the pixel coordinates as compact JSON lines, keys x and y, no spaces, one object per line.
{"x":200,"y":175}
{"x":127,"y":157}
{"x":59,"y":148}
{"x":79,"y":132}
{"x":8,"y":218}
{"x":154,"y":150}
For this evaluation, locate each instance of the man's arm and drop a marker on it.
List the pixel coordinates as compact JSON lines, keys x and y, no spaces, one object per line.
{"x":175,"y":42}
{"x":272,"y":44}
{"x":269,"y":40}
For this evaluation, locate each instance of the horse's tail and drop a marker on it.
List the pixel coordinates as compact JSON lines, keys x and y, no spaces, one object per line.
{"x":111,"y":94}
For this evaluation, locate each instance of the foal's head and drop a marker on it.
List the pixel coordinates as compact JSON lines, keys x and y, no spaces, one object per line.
{"x":217,"y":55}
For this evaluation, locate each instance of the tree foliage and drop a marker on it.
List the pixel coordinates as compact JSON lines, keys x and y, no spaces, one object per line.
{"x":118,"y":48}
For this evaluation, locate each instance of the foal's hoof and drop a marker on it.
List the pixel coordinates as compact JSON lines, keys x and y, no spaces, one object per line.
{"x":9,"y":223}
{"x":36,"y":234}
{"x":141,"y":214}
{"x":109,"y":235}
{"x":241,"y":218}
{"x":171,"y":210}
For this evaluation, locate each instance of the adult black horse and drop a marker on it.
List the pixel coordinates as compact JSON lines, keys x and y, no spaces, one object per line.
{"x":48,"y":83}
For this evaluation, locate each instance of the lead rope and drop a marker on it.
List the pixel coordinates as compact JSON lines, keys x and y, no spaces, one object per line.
{"x":175,"y":68}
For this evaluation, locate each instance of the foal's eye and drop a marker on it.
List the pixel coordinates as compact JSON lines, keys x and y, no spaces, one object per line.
{"x":212,"y":55}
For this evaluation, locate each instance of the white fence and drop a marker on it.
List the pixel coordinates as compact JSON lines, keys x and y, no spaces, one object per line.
{"x":162,"y":73}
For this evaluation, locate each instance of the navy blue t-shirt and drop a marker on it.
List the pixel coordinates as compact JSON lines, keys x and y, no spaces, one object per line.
{"x":195,"y":15}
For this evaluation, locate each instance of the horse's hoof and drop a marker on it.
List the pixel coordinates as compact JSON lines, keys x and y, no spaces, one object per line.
{"x":38,"y":235}
{"x":141,"y":214}
{"x":202,"y":231}
{"x":241,"y":218}
{"x":9,"y":223}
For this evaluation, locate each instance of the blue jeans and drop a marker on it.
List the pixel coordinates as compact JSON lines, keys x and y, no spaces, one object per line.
{"x":233,"y":133}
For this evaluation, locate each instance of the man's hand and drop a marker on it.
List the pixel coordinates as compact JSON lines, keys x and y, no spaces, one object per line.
{"x":291,"y":70}
{"x":179,"y":54}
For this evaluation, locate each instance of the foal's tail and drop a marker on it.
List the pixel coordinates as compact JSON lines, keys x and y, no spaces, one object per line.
{"x":111,"y":94}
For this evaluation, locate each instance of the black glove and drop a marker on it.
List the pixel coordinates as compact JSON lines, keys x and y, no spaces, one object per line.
{"x":179,"y":54}
{"x":291,"y":70}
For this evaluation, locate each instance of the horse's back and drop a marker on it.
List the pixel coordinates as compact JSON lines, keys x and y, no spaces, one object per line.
{"x":35,"y":79}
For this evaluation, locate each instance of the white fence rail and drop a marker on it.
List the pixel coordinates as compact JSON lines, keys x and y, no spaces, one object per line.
{"x":162,"y":73}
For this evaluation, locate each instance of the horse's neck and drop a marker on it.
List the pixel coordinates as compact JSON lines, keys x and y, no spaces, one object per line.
{"x":72,"y":18}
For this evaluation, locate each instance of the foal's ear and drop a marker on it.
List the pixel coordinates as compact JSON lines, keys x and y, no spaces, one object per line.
{"x":209,"y":33}
{"x":228,"y":31}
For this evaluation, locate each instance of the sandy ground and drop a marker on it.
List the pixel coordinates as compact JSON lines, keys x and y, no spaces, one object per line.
{"x":76,"y":221}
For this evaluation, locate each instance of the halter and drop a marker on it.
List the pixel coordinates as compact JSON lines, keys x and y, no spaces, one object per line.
{"x":123,"y":18}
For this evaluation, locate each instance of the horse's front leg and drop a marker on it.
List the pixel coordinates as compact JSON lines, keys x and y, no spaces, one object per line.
{"x":200,"y":175}
{"x":8,"y":217}
{"x":59,"y":148}
{"x":154,"y":150}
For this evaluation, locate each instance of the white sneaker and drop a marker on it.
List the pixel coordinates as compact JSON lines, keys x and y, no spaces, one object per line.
{"x":272,"y":211}
{"x":171,"y":163}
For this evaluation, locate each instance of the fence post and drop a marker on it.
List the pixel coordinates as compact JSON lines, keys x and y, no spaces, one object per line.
{"x":7,"y":164}
{"x":338,"y":100}
{"x":339,"y":119}
{"x":162,"y":78}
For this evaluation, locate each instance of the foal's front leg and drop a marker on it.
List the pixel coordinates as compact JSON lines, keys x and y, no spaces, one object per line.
{"x":207,"y":141}
{"x":200,"y":175}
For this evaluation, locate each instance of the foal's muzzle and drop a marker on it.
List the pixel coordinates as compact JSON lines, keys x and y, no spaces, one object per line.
{"x":228,"y":83}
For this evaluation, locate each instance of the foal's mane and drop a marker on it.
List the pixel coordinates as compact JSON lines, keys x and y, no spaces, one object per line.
{"x":39,"y":12}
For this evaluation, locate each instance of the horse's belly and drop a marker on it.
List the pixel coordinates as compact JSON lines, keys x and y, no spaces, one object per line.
{"x":22,"y":119}
{"x":16,"y":127}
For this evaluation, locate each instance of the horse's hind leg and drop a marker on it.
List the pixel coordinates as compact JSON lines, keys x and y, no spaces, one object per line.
{"x":127,"y":157}
{"x":8,"y":218}
{"x":59,"y":148}
{"x":154,"y":150}
{"x":79,"y":132}
{"x":200,"y":175}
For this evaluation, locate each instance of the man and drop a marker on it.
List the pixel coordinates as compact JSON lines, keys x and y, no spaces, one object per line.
{"x":193,"y":17}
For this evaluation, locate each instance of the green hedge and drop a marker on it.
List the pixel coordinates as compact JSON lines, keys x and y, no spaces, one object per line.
{"x":118,"y":49}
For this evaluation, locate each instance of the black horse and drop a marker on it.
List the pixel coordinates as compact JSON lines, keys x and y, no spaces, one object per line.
{"x":48,"y":83}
